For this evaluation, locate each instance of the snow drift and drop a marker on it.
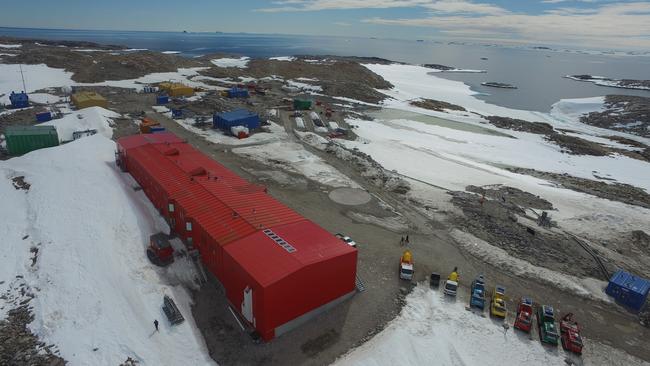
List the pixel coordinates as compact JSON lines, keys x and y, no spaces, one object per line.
{"x":96,"y":295}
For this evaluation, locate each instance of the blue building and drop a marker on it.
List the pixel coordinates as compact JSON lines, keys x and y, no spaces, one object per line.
{"x":240,"y":117}
{"x":628,"y":290}
{"x":237,"y":93}
{"x":19,"y":100}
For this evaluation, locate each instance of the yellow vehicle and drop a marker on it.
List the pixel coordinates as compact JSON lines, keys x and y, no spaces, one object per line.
{"x":498,"y":302}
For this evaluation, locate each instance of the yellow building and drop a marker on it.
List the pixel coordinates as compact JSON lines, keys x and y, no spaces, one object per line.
{"x":176,"y":89}
{"x":88,"y":99}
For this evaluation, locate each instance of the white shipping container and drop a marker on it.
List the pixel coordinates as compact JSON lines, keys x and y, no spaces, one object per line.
{"x":314,"y":115}
{"x":300,"y":123}
{"x":334,"y":125}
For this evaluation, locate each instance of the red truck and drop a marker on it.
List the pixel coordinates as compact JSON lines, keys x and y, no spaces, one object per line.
{"x":570,"y":334}
{"x":524,"y":319}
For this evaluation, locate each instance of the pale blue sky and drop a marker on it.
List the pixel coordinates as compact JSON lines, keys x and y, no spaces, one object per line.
{"x":585,"y":23}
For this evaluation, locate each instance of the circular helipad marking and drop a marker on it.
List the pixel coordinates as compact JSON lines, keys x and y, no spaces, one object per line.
{"x":350,"y":196}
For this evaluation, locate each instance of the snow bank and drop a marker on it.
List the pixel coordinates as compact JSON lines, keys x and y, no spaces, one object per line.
{"x":434,"y":330}
{"x":93,"y":118}
{"x":241,"y":62}
{"x":10,"y":45}
{"x":44,"y":98}
{"x":36,"y":77}
{"x":304,"y":86}
{"x":283,"y":58}
{"x":294,"y":158}
{"x":96,"y":294}
{"x":171,"y":52}
{"x":570,"y":110}
{"x":412,"y":82}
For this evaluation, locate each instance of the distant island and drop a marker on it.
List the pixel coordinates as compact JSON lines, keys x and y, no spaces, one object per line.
{"x":494,"y":84}
{"x":615,"y":83}
{"x":444,"y":68}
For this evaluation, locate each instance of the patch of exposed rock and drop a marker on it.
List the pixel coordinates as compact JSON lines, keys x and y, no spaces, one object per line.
{"x":19,"y":347}
{"x":625,"y":113}
{"x":612,"y":191}
{"x":514,"y":124}
{"x":437,"y":105}
{"x":337,"y":77}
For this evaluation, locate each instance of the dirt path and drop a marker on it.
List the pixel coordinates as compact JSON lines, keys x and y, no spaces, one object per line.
{"x":332,"y":334}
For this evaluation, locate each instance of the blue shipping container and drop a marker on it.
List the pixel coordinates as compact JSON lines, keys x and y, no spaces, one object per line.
{"x":156,"y":129}
{"x":237,"y":93}
{"x":628,"y":290}
{"x":177,"y":113}
{"x":239,"y":117}
{"x":162,"y":99}
{"x":43,"y":117}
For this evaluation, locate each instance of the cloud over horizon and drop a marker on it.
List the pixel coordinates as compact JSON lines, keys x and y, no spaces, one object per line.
{"x":589,"y":23}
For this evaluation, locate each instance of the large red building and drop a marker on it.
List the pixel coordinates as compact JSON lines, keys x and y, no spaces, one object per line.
{"x":278,"y":268}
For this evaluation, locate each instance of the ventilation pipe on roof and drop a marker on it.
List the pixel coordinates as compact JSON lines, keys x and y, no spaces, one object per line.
{"x":171,"y":152}
{"x":197,"y":171}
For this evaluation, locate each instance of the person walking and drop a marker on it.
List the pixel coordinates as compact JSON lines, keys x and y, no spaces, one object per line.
{"x":155,"y":324}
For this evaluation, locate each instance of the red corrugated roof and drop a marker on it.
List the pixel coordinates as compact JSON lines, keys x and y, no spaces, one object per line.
{"x":130,"y":142}
{"x":266,"y":237}
{"x":267,"y":260}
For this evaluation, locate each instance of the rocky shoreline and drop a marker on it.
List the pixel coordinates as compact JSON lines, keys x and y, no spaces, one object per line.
{"x":614,"y":83}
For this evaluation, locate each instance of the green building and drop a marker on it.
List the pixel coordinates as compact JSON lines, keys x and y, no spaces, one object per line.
{"x":23,"y":139}
{"x":301,"y":104}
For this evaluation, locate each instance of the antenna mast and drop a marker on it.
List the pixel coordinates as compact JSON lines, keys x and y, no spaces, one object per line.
{"x":23,"y":77}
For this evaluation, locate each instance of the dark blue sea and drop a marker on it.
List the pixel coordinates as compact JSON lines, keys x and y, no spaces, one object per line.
{"x":538,"y":73}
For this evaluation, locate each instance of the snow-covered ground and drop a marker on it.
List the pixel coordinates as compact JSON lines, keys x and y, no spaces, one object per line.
{"x":96,"y":294}
{"x":44,"y":98}
{"x":10,"y":45}
{"x":434,"y":330}
{"x":93,"y":118}
{"x":283,"y":58}
{"x":241,"y":62}
{"x":36,"y":77}
{"x":304,"y":86}
{"x":464,"y":150}
{"x":182,"y":75}
{"x":294,"y":158}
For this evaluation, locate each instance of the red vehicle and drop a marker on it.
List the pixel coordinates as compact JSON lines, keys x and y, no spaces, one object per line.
{"x":524,"y":319}
{"x":160,"y":251}
{"x":570,"y":334}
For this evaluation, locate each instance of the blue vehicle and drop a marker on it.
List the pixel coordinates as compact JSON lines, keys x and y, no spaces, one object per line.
{"x":478,"y":293}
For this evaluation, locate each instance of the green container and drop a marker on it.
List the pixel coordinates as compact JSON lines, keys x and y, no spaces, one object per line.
{"x":301,"y":104}
{"x":23,"y":139}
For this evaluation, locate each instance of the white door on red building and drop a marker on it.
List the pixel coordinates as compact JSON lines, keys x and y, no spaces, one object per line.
{"x":247,"y":305}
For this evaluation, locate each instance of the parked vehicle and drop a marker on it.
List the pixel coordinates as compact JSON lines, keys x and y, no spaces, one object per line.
{"x":348,"y":240}
{"x":477,"y":291}
{"x":546,"y":324}
{"x":524,"y":320}
{"x":406,"y":266}
{"x":498,"y":302}
{"x":570,"y":334}
{"x":451,"y":286}
{"x":434,"y":280}
{"x":160,"y":251}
